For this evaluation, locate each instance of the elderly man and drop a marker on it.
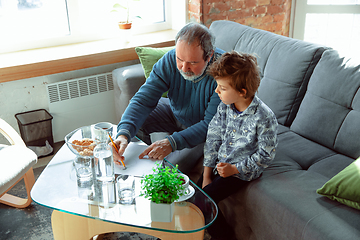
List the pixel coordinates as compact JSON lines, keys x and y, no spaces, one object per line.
{"x":184,"y":116}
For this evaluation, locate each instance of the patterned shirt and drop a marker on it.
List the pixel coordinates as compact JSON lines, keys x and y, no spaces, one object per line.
{"x":247,"y":140}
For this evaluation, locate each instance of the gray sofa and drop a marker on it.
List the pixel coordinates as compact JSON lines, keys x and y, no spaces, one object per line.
{"x":314,"y":94}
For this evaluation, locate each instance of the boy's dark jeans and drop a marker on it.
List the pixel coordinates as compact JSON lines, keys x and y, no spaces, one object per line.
{"x":219,"y":189}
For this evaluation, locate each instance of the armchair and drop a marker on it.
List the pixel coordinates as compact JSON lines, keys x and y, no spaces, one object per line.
{"x":16,"y":161}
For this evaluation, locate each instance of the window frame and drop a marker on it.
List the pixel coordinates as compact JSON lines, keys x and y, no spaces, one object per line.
{"x":76,"y":38}
{"x":300,"y":8}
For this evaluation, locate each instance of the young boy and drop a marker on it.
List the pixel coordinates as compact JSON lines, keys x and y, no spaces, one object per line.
{"x":241,"y":138}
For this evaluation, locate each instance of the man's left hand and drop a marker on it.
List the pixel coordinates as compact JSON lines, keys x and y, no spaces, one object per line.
{"x":157,"y":150}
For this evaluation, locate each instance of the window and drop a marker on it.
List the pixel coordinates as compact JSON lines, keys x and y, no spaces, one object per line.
{"x":26,"y":24}
{"x":334,"y":23}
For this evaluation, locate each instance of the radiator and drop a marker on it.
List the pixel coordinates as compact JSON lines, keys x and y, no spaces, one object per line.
{"x":80,"y":102}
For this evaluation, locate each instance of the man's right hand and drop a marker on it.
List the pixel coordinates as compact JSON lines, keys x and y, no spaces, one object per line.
{"x":121,"y":143}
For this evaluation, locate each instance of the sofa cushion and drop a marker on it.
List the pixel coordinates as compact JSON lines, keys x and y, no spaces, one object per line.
{"x":344,"y":187}
{"x":300,"y":150}
{"x":331,"y":165}
{"x":282,"y":205}
{"x":286,"y":64}
{"x":323,"y":225}
{"x":330,"y":111}
{"x":148,"y":56}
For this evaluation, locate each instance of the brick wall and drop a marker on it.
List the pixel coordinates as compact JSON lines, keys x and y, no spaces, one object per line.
{"x":269,"y":15}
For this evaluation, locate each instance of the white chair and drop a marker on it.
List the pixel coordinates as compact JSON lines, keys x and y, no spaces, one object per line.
{"x":16,"y":161}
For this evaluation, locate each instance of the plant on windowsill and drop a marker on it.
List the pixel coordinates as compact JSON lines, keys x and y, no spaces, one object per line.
{"x":162,"y":188}
{"x":120,"y":9}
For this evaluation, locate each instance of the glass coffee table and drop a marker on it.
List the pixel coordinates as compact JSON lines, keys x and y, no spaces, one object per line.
{"x":82,"y":211}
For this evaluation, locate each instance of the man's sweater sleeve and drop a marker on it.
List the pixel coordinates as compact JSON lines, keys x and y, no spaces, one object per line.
{"x":195,"y":134}
{"x":144,"y":101}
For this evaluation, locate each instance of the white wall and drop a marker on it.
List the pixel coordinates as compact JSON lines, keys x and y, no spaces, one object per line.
{"x":30,"y":94}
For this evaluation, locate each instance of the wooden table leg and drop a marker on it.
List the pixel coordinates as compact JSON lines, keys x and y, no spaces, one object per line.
{"x":69,"y":226}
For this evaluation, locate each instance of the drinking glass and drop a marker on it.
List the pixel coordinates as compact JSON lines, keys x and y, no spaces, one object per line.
{"x":83,"y":168}
{"x":126,"y":189}
{"x":102,"y":131}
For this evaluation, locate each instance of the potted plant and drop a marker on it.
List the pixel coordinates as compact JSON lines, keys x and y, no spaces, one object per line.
{"x":121,"y":8}
{"x":162,"y":188}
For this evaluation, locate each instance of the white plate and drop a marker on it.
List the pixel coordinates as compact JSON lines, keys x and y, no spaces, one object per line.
{"x":187,"y":196}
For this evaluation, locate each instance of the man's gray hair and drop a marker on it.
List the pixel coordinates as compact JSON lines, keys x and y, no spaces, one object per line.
{"x":195,"y":32}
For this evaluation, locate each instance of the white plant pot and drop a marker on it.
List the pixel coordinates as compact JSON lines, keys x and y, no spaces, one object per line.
{"x":162,"y":212}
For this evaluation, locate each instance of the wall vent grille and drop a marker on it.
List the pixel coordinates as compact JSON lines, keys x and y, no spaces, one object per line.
{"x":80,"y":87}
{"x":81,"y":102}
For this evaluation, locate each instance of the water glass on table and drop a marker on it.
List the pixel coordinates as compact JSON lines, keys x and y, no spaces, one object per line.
{"x":126,"y":188}
{"x":83,"y":168}
{"x":102,"y":131}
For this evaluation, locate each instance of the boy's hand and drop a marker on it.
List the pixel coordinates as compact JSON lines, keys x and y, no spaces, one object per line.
{"x":226,"y":169}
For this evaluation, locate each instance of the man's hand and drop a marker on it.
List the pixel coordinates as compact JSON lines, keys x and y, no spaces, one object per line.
{"x":226,"y":169}
{"x":157,"y":150}
{"x":121,"y":143}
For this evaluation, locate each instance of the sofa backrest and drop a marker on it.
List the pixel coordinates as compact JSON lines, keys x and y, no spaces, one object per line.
{"x":286,"y":64}
{"x":330,"y":111}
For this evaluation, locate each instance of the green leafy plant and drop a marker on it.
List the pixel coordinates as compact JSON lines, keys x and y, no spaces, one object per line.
{"x":163,"y":186}
{"x":123,"y":6}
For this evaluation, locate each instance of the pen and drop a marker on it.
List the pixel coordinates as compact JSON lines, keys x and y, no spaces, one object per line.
{"x":116,"y":150}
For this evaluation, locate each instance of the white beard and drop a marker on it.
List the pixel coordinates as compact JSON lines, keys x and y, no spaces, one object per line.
{"x":190,"y":75}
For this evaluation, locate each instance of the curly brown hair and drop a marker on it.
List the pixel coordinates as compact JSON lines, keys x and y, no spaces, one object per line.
{"x":240,"y":68}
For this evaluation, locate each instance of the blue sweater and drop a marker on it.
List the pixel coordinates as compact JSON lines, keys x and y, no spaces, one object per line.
{"x":193,"y":103}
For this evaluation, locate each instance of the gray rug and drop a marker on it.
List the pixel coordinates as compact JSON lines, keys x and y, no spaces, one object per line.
{"x":34,"y":222}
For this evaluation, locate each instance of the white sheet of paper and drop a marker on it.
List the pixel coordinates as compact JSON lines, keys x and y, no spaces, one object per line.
{"x":134,"y":165}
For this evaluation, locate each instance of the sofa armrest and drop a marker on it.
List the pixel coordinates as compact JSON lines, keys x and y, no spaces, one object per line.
{"x":127,"y":81}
